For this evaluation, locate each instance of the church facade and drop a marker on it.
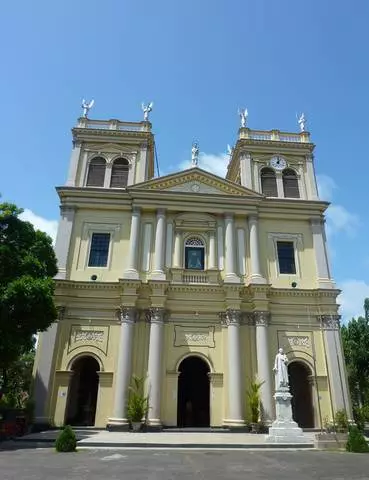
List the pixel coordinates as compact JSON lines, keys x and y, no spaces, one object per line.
{"x":190,"y":281}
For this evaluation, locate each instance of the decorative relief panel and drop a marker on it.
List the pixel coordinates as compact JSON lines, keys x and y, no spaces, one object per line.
{"x":194,"y":336}
{"x":293,"y":340}
{"x":91,"y":336}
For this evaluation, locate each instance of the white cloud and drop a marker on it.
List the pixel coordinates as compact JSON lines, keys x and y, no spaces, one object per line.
{"x":326,"y":186}
{"x":48,"y":226}
{"x":352,"y":298}
{"x":216,"y":164}
{"x":339,"y":219}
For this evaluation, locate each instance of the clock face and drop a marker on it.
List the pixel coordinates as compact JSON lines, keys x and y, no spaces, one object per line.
{"x":278,"y":163}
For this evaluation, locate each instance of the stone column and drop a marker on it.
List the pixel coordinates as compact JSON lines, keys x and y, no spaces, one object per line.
{"x":321,"y":256}
{"x":169,"y":245}
{"x":264,"y":367}
{"x":146,"y":250}
{"x":123,"y":370}
{"x":313,"y":189}
{"x":63,"y":238}
{"x":220,"y":247}
{"x":212,"y":253}
{"x":73,"y":164}
{"x":256,"y":275}
{"x":245,"y":170}
{"x":279,"y":180}
{"x":241,"y":251}
{"x":178,"y":250}
{"x":154,"y":371}
{"x":158,"y":271}
{"x":230,"y":248}
{"x":44,"y":373}
{"x":337,"y":374}
{"x":231,"y":319}
{"x":131,"y":271}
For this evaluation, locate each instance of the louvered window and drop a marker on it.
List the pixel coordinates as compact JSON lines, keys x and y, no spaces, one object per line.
{"x":96,"y":172}
{"x":268,"y":182}
{"x":290,"y":184}
{"x":119,"y":173}
{"x":194,"y":254}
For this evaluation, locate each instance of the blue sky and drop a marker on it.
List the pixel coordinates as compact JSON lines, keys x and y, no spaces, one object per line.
{"x":198,"y":61}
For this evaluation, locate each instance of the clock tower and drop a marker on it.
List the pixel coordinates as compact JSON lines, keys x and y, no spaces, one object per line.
{"x":274,"y":163}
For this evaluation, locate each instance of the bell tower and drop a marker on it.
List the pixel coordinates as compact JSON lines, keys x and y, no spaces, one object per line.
{"x":277,"y":164}
{"x":111,"y":153}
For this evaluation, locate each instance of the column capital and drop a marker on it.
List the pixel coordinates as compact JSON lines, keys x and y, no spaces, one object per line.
{"x":156,"y":315}
{"x":253,"y":218}
{"x":229,"y":216}
{"x":329,"y":322}
{"x":316,"y":221}
{"x":66,"y":210}
{"x":127,"y":314}
{"x":230,"y":317}
{"x":136,"y":210}
{"x":262,"y":319}
{"x":61,"y":312}
{"x":160,"y":212}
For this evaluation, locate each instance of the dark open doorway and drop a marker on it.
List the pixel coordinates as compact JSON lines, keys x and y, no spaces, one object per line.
{"x":193,"y":393}
{"x":301,"y":391}
{"x":83,"y":390}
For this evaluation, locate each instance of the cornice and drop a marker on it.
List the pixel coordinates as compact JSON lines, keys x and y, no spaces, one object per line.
{"x":84,"y":134}
{"x":79,"y":285}
{"x":274,"y":145}
{"x":183,"y":288}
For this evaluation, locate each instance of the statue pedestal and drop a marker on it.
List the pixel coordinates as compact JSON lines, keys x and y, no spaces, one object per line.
{"x":284,"y":429}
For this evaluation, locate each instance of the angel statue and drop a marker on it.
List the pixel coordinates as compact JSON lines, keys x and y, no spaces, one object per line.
{"x":302,"y":121}
{"x":243,"y":115}
{"x":229,"y":150}
{"x":87,"y":106}
{"x":195,"y":154}
{"x":280,"y":370}
{"x":146,"y":110}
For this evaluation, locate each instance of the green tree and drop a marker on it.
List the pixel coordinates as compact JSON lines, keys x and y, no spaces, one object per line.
{"x":355,"y":339}
{"x":27,"y":268}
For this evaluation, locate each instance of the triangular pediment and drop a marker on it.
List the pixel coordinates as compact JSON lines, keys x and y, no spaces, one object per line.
{"x":196,"y":181}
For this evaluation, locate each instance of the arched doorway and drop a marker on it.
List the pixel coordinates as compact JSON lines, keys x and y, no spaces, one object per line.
{"x":83,"y":390}
{"x":193,"y":393}
{"x":301,"y":391}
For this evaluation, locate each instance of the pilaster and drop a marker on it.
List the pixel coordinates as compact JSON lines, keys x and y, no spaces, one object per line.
{"x":158,"y":270}
{"x":320,"y":251}
{"x":63,"y":240}
{"x":131,"y":271}
{"x":255,"y":274}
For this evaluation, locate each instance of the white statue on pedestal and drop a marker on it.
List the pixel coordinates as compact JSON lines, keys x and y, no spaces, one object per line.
{"x":280,"y":370}
{"x":243,"y":116}
{"x":195,"y":154}
{"x":87,"y":106}
{"x":146,"y":110}
{"x":302,"y":122}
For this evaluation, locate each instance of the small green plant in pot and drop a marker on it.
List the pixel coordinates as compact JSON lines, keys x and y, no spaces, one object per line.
{"x":66,"y":441}
{"x":253,"y":395}
{"x":138,"y":403}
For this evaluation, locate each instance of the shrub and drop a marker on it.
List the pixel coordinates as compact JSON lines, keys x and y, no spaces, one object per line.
{"x":340,"y":420}
{"x":253,"y":395}
{"x":66,"y":441}
{"x":359,"y":417}
{"x":138,"y":403}
{"x":356,"y":441}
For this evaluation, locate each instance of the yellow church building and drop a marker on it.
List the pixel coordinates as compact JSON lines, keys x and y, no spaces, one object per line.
{"x":191,"y":281}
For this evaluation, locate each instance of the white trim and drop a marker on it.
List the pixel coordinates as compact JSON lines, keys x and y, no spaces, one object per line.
{"x":297,"y":240}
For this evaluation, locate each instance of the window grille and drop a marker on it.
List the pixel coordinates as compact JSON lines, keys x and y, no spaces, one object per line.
{"x":96,"y":172}
{"x":99,"y":250}
{"x":119,"y":173}
{"x":268,"y":182}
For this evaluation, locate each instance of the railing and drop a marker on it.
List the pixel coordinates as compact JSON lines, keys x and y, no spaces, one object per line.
{"x":195,"y":277}
{"x":274,"y":136}
{"x":114,"y":125}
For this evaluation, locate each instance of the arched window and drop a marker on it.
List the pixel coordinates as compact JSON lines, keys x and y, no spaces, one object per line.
{"x":290,"y":184}
{"x":119,"y":173}
{"x":96,"y":172}
{"x":268,"y":182}
{"x":194,"y":253}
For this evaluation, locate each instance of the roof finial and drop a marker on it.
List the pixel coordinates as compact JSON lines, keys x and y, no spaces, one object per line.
{"x":243,"y":113}
{"x":146,"y":110}
{"x":301,"y":120}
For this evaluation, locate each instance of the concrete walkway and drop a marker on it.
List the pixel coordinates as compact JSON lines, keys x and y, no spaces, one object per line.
{"x":175,"y":440}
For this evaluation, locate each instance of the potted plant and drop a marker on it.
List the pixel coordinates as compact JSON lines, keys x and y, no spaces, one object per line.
{"x":138,"y":403}
{"x":253,"y":395}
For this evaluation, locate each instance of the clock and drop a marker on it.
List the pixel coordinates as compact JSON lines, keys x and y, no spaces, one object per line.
{"x":278,"y":163}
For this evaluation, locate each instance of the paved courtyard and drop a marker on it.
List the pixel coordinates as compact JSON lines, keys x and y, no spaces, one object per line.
{"x":46,"y":464}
